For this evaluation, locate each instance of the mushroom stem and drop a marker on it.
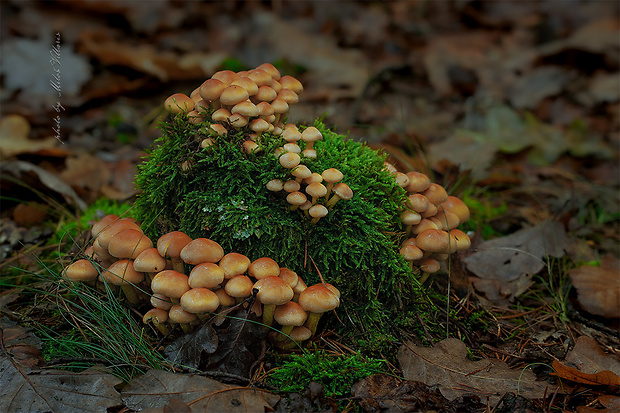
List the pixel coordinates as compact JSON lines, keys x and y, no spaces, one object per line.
{"x":268,"y":310}
{"x":284,"y":333}
{"x":130,"y":293}
{"x":313,"y":321}
{"x":178,"y":264}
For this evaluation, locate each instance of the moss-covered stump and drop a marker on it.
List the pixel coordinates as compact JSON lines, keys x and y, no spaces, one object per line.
{"x":220,"y":193}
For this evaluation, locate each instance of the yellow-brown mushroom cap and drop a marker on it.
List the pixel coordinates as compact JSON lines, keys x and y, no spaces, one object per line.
{"x":199,"y":301}
{"x":129,"y":243}
{"x":81,"y":270}
{"x":201,"y":250}
{"x":170,"y":283}
{"x":122,"y":272}
{"x":206,"y":275}
{"x":233,"y":264}
{"x":263,"y":267}
{"x":318,"y":299}
{"x":273,"y":291}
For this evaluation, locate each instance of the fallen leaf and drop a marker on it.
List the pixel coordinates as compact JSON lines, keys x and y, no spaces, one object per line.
{"x":233,"y":347}
{"x":529,"y":90}
{"x":20,"y":169}
{"x":14,"y":132}
{"x":602,"y":378}
{"x":587,"y":356}
{"x":26,"y":388}
{"x":598,"y":288}
{"x":508,"y":263}
{"x":446,"y":365}
{"x":381,"y":393}
{"x":158,"y":388}
{"x":86,"y":171}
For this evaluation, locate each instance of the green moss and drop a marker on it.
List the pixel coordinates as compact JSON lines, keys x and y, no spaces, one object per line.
{"x":219,"y":193}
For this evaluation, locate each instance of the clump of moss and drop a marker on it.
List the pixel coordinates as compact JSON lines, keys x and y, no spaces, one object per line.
{"x":220,"y":193}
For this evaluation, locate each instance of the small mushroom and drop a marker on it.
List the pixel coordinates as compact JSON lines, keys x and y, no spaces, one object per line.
{"x":341,"y":191}
{"x":316,"y":300}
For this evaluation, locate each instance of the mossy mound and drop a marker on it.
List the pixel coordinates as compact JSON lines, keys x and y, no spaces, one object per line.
{"x":220,"y":193}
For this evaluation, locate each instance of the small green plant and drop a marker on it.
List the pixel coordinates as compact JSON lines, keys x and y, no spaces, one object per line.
{"x":337,"y":373}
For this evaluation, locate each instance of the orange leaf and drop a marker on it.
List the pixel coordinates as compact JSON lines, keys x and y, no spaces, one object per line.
{"x":601,"y":378}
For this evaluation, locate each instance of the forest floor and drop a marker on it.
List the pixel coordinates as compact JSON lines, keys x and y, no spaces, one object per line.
{"x":512,"y":106}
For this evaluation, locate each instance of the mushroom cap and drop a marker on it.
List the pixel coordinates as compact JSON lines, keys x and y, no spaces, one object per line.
{"x":177,"y":314}
{"x":300,"y":286}
{"x":460,"y":238}
{"x":457,"y":207}
{"x":301,"y":171}
{"x":171,"y":243}
{"x":225,"y":76}
{"x":410,"y":217}
{"x":401,"y":179}
{"x":81,"y":270}
{"x":288,"y":96}
{"x":418,"y":202}
{"x":411,"y":252}
{"x":240,"y":286}
{"x":233,"y":94}
{"x":206,"y":275}
{"x":423,"y":225}
{"x":318,"y":211}
{"x":161,"y":301}
{"x":275,"y":185}
{"x":316,"y":189}
{"x":129,"y":243}
{"x":110,"y":232}
{"x":332,"y":175}
{"x":291,"y":186}
{"x":309,"y":153}
{"x":318,"y":299}
{"x":429,"y":265}
{"x":237,"y":120}
{"x":263,"y":267}
{"x":273,"y":291}
{"x":271,"y":69}
{"x":179,"y":103}
{"x":260,"y":77}
{"x":159,"y":315}
{"x":248,"y":84}
{"x":290,"y":314}
{"x":289,"y":160}
{"x":279,"y":105}
{"x":311,"y":134}
{"x":433,"y":240}
{"x":291,"y":135}
{"x":259,"y":125}
{"x":265,"y":94}
{"x":435,"y":193}
{"x":448,"y":220}
{"x":264,"y":109}
{"x":201,"y":250}
{"x":245,"y":108}
{"x":170,"y":283}
{"x":102,"y":224}
{"x":315,"y":177}
{"x":418,"y":182}
{"x":300,"y":333}
{"x":289,"y":82}
{"x":289,"y":276}
{"x":221,"y":115}
{"x":233,"y":264}
{"x":199,"y":301}
{"x":296,"y":198}
{"x":211,"y":89}
{"x":343,"y":191}
{"x":149,"y":260}
{"x":292,"y":147}
{"x":225,"y":299}
{"x":122,"y":272}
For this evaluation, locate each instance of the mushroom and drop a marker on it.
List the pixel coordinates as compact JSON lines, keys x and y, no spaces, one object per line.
{"x":296,"y":199}
{"x":296,"y":336}
{"x":316,"y":190}
{"x":221,"y":115}
{"x":291,"y":186}
{"x":233,"y":95}
{"x":122,"y":273}
{"x":331,"y":176}
{"x":272,"y":291}
{"x":435,"y":193}
{"x":234,"y":264}
{"x":311,"y":135}
{"x":110,"y":232}
{"x":316,"y":300}
{"x":201,"y":250}
{"x":260,"y":77}
{"x":81,"y":270}
{"x":418,"y":202}
{"x":317,"y":212}
{"x":170,"y":245}
{"x":248,"y":84}
{"x":239,"y":287}
{"x":102,"y":224}
{"x":275,"y":185}
{"x":271,"y":69}
{"x":263,"y":267}
{"x":129,"y":243}
{"x":158,"y":317}
{"x":289,"y":315}
{"x":418,"y":182}
{"x":289,"y":160}
{"x":341,"y":191}
{"x":225,"y":76}
{"x":409,"y":219}
{"x":433,"y":240}
{"x":150,"y":262}
{"x":300,"y":172}
{"x":206,"y":275}
{"x":457,"y":207}
{"x":289,"y":82}
{"x":460,"y":238}
{"x":179,"y":103}
{"x":185,"y":319}
{"x":199,"y":301}
{"x":161,"y":301}
{"x":170,"y":283}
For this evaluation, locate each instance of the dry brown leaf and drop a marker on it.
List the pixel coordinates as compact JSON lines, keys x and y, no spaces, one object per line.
{"x":146,"y":58}
{"x":158,"y":388}
{"x":14,"y":131}
{"x":446,"y":365}
{"x":598,"y":288}
{"x":602,"y":378}
{"x":86,"y":171}
{"x":508,"y":263}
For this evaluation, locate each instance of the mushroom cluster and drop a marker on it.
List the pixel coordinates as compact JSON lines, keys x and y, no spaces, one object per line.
{"x":430,"y":220}
{"x":121,"y":255}
{"x":257,"y":99}
{"x":311,"y":192}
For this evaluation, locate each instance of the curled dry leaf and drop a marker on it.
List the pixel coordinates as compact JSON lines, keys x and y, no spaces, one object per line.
{"x":14,"y":131}
{"x":446,"y":365}
{"x":158,"y":388}
{"x":598,"y":288}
